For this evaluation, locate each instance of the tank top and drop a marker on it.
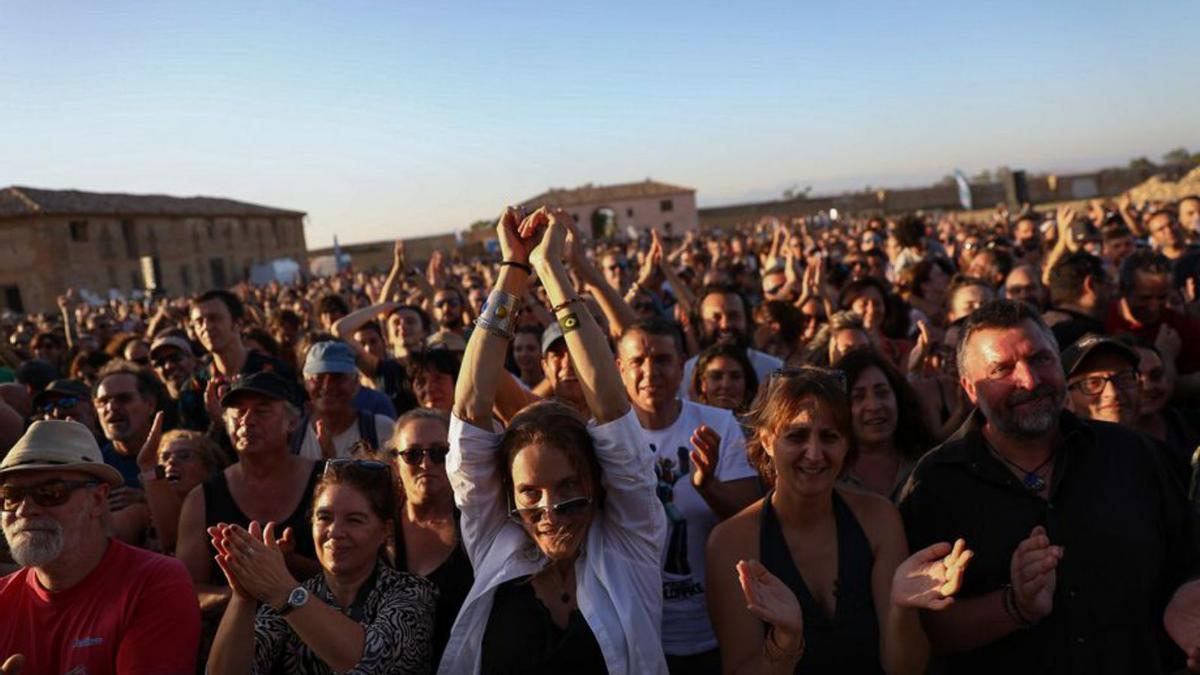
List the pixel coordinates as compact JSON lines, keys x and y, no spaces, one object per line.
{"x":219,"y":507}
{"x":850,"y":642}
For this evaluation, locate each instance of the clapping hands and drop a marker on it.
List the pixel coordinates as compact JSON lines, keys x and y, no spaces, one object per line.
{"x":928,"y":578}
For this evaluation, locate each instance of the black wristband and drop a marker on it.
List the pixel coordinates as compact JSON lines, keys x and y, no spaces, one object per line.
{"x":518,"y":264}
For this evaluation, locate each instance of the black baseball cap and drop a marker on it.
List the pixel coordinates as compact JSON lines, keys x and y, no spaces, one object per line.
{"x":63,"y":387}
{"x":262,"y":383}
{"x":1074,"y":355}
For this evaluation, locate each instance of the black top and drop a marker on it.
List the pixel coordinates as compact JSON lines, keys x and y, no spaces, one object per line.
{"x":220,"y":507}
{"x":1114,"y":507}
{"x":522,"y":638}
{"x":849,"y":643}
{"x":453,"y":579}
{"x":1069,"y":325}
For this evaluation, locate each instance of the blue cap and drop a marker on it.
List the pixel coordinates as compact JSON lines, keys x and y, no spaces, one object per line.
{"x":330,"y":357}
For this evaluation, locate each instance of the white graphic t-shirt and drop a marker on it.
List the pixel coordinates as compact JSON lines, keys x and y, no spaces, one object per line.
{"x":686,"y":628}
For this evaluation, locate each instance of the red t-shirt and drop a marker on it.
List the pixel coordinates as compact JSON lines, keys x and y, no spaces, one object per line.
{"x":1188,"y":328}
{"x":135,"y":613}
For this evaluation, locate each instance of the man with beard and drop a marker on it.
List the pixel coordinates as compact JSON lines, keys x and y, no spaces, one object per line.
{"x":335,"y":426}
{"x":1082,"y":533}
{"x":723,"y":318}
{"x":1141,"y":309}
{"x":126,"y":399}
{"x":83,"y":601}
{"x":703,"y":478}
{"x":448,"y":307}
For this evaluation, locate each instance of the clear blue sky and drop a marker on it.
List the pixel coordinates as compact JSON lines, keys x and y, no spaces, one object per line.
{"x":387,"y":119}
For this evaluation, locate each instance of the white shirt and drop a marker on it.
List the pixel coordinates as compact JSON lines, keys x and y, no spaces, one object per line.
{"x":764,"y":364}
{"x":617,"y":579}
{"x":342,"y":442}
{"x":686,"y":627}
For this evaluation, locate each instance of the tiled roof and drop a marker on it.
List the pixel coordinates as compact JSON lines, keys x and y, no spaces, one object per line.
{"x":599,"y":194}
{"x":23,"y":202}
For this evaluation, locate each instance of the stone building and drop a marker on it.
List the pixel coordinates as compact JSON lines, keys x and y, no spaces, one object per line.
{"x":99,"y":242}
{"x":606,"y":210}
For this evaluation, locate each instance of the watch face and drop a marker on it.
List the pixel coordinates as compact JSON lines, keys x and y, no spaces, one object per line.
{"x":298,"y":597}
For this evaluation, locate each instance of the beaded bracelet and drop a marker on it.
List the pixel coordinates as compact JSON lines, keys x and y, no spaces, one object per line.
{"x":566,"y":303}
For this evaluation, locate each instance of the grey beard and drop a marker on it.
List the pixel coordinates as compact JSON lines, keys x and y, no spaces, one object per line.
{"x":1021,"y":427}
{"x":34,"y":548}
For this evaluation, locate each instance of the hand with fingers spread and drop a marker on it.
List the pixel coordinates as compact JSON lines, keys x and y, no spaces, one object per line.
{"x":1034,"y":575}
{"x":213,"y":391}
{"x":706,"y":449}
{"x":930,"y":577}
{"x":771,"y":601}
{"x":1063,"y":217}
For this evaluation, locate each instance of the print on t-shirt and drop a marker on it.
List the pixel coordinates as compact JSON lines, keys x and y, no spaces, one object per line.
{"x":669,"y":472}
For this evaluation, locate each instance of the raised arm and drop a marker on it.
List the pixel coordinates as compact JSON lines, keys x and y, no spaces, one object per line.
{"x":395,"y":277}
{"x":589,"y":350}
{"x":619,"y":313}
{"x":483,"y":361}
{"x":344,"y":329}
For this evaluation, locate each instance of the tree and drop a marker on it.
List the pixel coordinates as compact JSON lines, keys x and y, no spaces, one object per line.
{"x":984,"y":176}
{"x":1177,"y":156}
{"x":481,"y":225}
{"x":1141,"y":163}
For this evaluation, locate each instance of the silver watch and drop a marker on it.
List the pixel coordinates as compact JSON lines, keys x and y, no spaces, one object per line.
{"x":296,"y":599}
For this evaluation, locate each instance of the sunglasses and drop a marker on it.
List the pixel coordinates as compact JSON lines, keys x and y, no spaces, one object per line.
{"x":811,"y":372}
{"x":566,"y":508}
{"x":161,"y":361}
{"x":64,"y":403}
{"x":333,"y":466}
{"x":414,"y":455}
{"x":53,"y":493}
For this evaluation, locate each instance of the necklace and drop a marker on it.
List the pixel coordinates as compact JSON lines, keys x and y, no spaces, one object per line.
{"x":1033,"y":479}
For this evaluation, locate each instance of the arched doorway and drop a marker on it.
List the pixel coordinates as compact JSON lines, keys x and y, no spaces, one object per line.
{"x":604,"y":223}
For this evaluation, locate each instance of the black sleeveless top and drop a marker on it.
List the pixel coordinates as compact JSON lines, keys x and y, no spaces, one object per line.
{"x":219,"y":507}
{"x":453,"y":579}
{"x":850,"y":642}
{"x":521,"y":637}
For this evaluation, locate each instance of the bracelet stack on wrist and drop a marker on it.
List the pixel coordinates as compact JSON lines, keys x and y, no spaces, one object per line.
{"x":499,"y":314}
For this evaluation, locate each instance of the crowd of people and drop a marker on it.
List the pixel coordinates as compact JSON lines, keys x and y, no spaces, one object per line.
{"x":912,"y":444}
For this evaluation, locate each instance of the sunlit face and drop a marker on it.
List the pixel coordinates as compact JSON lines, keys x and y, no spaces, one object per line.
{"x":1015,"y":377}
{"x":183,"y":464}
{"x":331,"y":392}
{"x":615,"y":270}
{"x":967,"y":299}
{"x":1157,"y":384}
{"x":1148,"y":297}
{"x":434,"y":389}
{"x":650,"y":368}
{"x":527,"y":352}
{"x":809,"y":451}
{"x":173,"y":365}
{"x":1164,"y":233}
{"x":371,"y":342}
{"x":1189,"y":214}
{"x":347,"y":533}
{"x":256,"y":423}
{"x":1118,"y":401}
{"x":873,"y":407}
{"x":124,"y":414}
{"x":542,"y":475}
{"x":844,"y":340}
{"x":560,"y":371}
{"x":1022,"y":285}
{"x":869,"y":304}
{"x":723,"y":383}
{"x":425,"y":482}
{"x":447,"y":309}
{"x":774,"y":285}
{"x":723,"y":318}
{"x":214,"y":326}
{"x":1117,"y":249}
{"x":405,"y":328}
{"x":37,"y":535}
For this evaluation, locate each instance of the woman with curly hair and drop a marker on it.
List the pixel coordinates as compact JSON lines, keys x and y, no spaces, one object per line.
{"x":724,"y":377}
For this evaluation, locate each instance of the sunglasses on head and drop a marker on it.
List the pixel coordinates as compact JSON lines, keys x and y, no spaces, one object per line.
{"x":333,"y":466}
{"x":64,"y":403}
{"x":413,"y":455}
{"x":52,"y":493}
{"x":566,"y":508}
{"x":811,"y":372}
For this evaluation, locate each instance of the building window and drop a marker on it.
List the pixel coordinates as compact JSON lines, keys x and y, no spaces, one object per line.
{"x":129,"y":234}
{"x":575,"y":217}
{"x":216,"y":269}
{"x":666,"y":205}
{"x":185,"y":277}
{"x":135,"y":280}
{"x":79,"y":230}
{"x":629,"y":212}
{"x":12,"y":299}
{"x":112,"y":277}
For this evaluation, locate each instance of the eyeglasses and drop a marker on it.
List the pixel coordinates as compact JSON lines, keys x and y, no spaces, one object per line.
{"x":53,"y":493}
{"x":1093,"y":385}
{"x":565,"y":508}
{"x":415,"y":454}
{"x":64,"y":403}
{"x":334,"y":466}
